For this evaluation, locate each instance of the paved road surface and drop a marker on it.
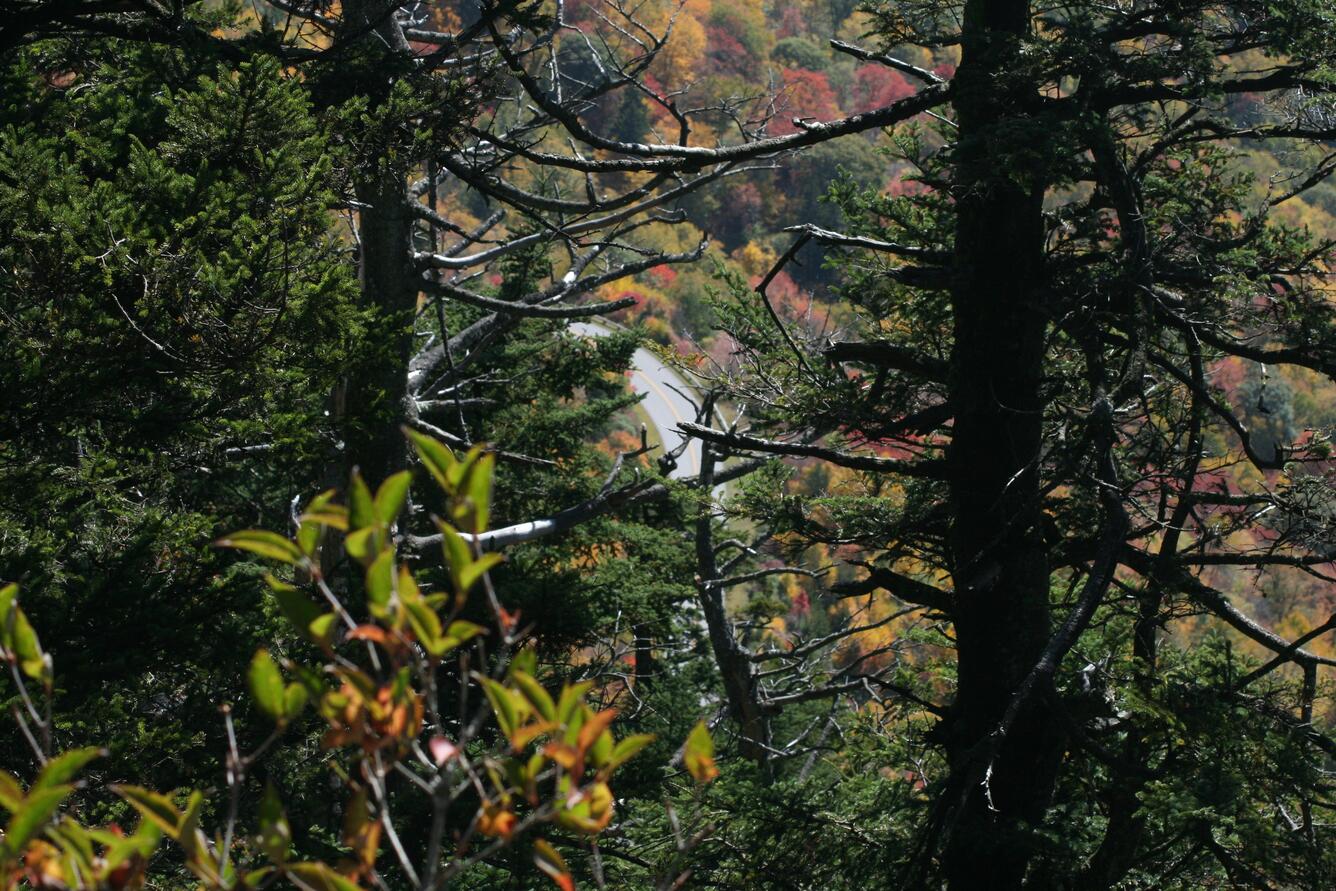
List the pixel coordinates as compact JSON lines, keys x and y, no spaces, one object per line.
{"x":665,"y":406}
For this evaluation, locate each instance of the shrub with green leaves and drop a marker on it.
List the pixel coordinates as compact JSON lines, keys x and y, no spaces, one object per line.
{"x":512,"y":764}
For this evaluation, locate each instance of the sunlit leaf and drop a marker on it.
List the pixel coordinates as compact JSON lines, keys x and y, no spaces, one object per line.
{"x":698,"y":755}
{"x":436,"y":457}
{"x":11,"y":793}
{"x":480,"y":491}
{"x":295,"y":697}
{"x":546,"y":858}
{"x":509,"y":707}
{"x":264,"y":543}
{"x":157,"y":808}
{"x":360,"y":544}
{"x":266,"y":685}
{"x":31,"y":817}
{"x":18,"y":637}
{"x":319,"y":877}
{"x":65,"y":767}
{"x":628,"y":748}
{"x":361,"y":506}
{"x":572,"y":696}
{"x":380,"y":582}
{"x":391,"y":495}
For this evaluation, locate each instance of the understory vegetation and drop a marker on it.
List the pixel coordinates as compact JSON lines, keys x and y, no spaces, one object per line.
{"x":801,"y":444}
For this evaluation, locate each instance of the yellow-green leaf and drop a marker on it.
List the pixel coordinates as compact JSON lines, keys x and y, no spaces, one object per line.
{"x":11,"y":793}
{"x":628,"y":748}
{"x":380,"y":583}
{"x":390,"y":497}
{"x":31,"y":817}
{"x":698,"y":755}
{"x":436,"y":457}
{"x":533,"y":691}
{"x":264,"y":543}
{"x":155,"y":807}
{"x":64,"y":767}
{"x":361,"y":507}
{"x":275,"y":831}
{"x":546,"y":858}
{"x":319,"y":877}
{"x":313,"y":624}
{"x":479,"y":487}
{"x":295,"y":696}
{"x":509,"y":707}
{"x":266,"y":685}
{"x":361,"y":544}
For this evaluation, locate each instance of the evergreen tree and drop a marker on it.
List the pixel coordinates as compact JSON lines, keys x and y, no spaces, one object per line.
{"x":177,"y":310}
{"x":1028,"y":349}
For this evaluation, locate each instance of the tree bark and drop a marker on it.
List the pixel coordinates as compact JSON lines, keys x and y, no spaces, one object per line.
{"x":374,"y":403}
{"x":999,"y":555}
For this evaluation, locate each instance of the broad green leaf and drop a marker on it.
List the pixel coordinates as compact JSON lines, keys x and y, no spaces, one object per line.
{"x":391,"y":495}
{"x":18,"y":637}
{"x":9,"y":595}
{"x":312,"y":623}
{"x":572,"y":696}
{"x":11,"y":792}
{"x":275,"y":832}
{"x":546,"y":858}
{"x":157,"y":808}
{"x":462,"y":631}
{"x":539,"y":698}
{"x":264,"y":543}
{"x":308,"y":537}
{"x":426,"y":626}
{"x":256,"y":877}
{"x":408,"y":586}
{"x":323,"y":513}
{"x":74,"y":841}
{"x":600,"y":750}
{"x":319,"y":877}
{"x":628,"y":748}
{"x":509,"y":707}
{"x":458,"y":555}
{"x":64,"y":767}
{"x":32,"y":816}
{"x":475,"y":570}
{"x":295,"y":697}
{"x":480,"y":491}
{"x":191,"y":839}
{"x":361,"y":507}
{"x":436,"y":457}
{"x":361,"y":544}
{"x":266,"y":685}
{"x":380,"y":582}
{"x":460,"y":476}
{"x":525,"y":660}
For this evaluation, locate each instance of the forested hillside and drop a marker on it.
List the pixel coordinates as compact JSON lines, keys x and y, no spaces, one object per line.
{"x":969,"y":524}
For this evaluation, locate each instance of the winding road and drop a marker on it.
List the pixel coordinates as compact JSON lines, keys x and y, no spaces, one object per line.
{"x":662,"y":388}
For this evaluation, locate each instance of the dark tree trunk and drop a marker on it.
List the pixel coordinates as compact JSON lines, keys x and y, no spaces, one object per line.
{"x":373,"y":404}
{"x":1000,"y":560}
{"x":735,"y":667}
